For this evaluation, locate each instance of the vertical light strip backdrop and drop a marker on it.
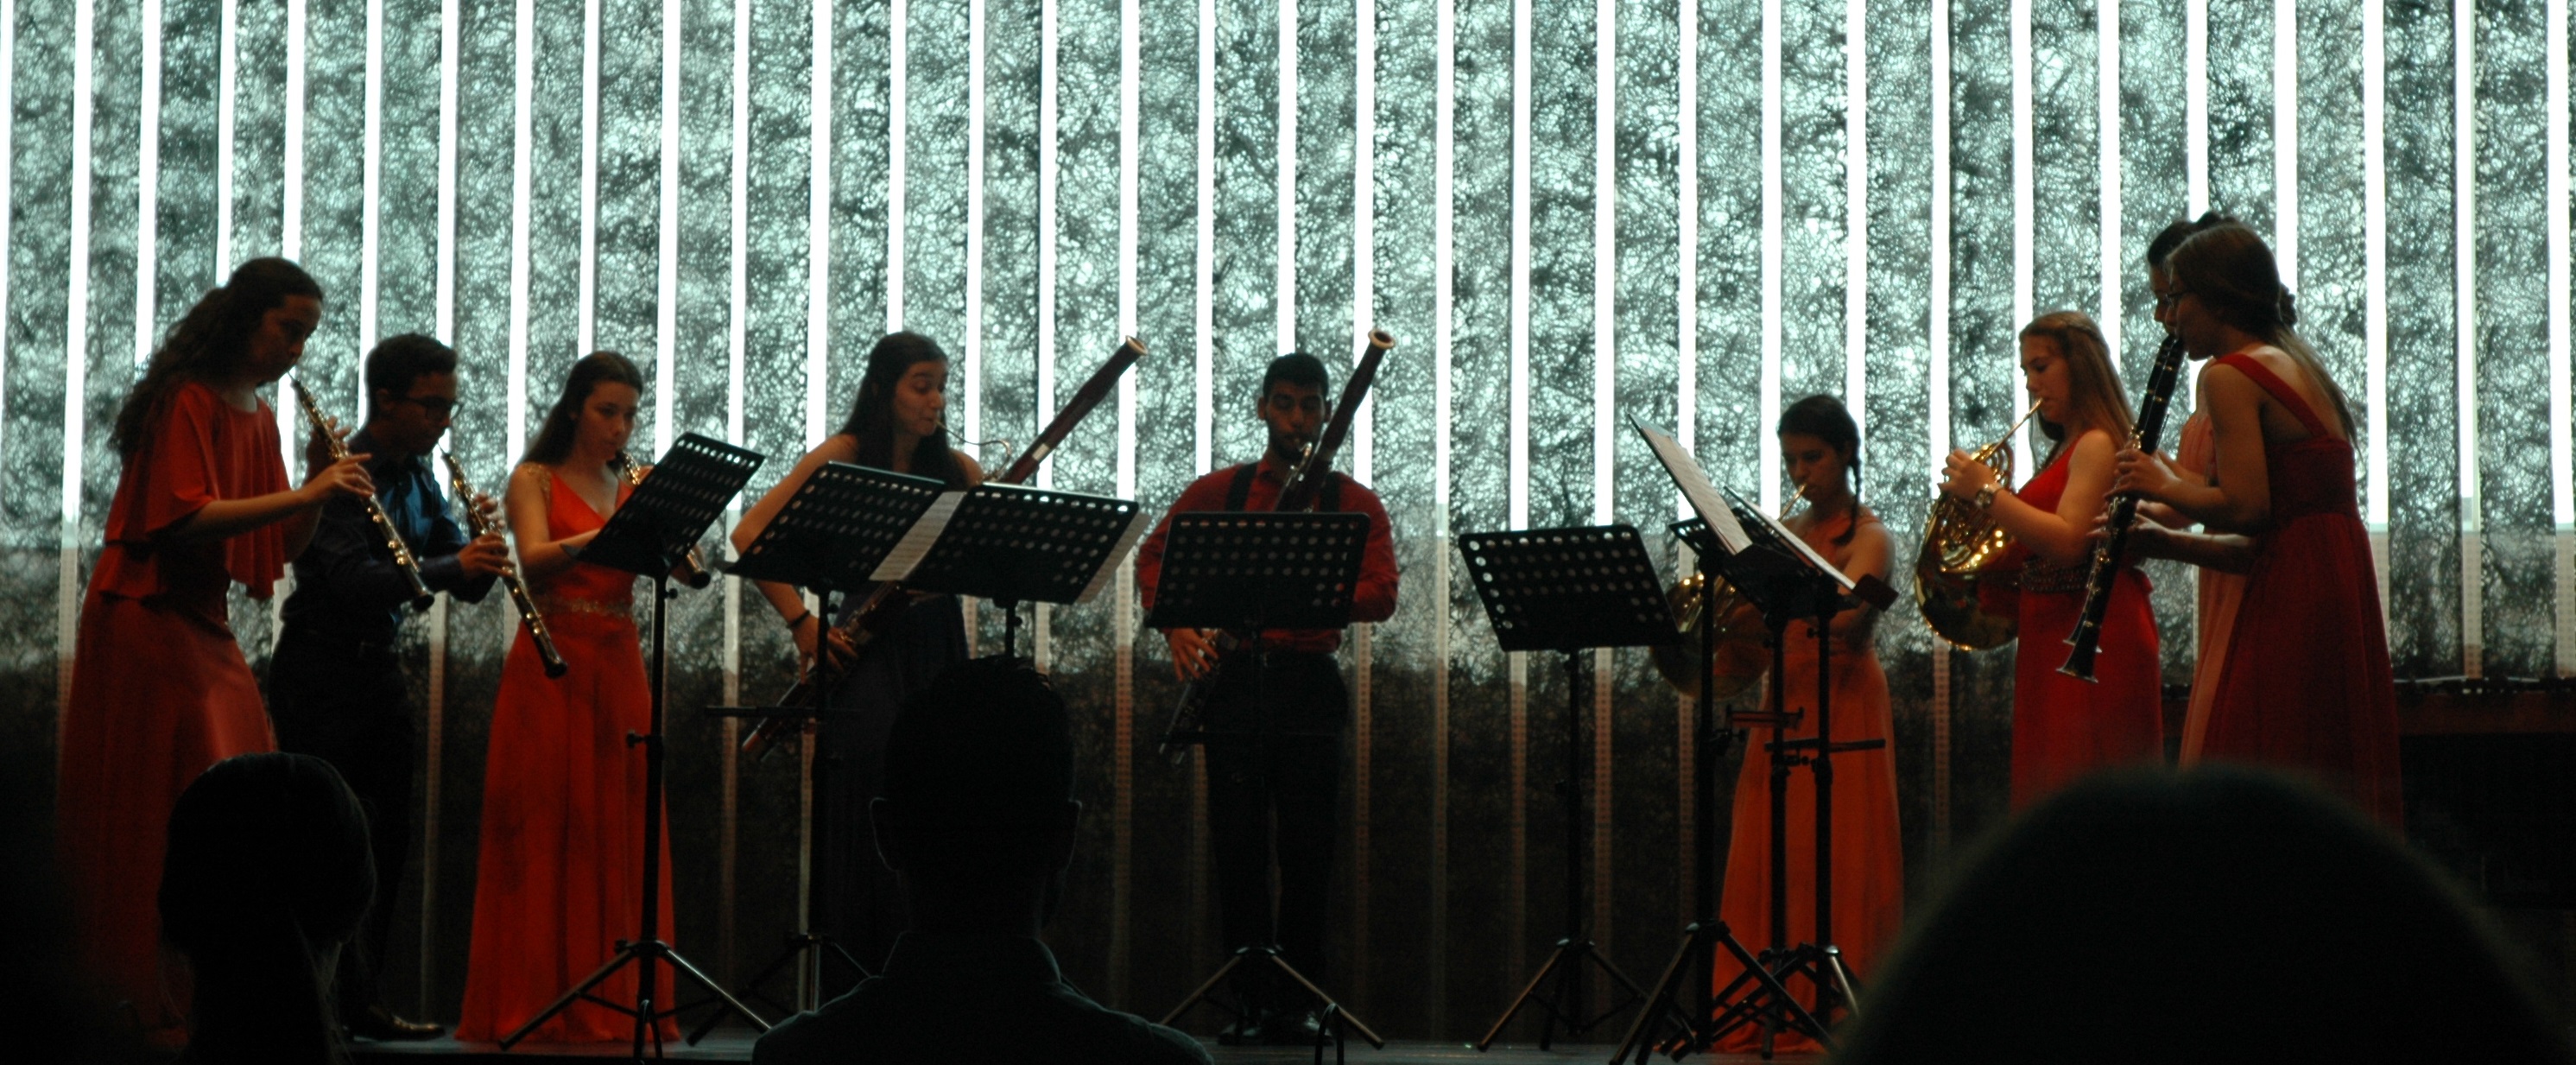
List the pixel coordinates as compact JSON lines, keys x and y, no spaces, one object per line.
{"x":1682,"y":210}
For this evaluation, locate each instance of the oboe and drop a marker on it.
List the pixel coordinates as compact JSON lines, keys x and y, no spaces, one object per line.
{"x":527,"y":604}
{"x":2086,"y":640}
{"x":692,"y":570}
{"x":385,"y":530}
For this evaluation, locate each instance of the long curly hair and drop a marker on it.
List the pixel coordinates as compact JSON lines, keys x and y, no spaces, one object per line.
{"x":208,"y":343}
{"x":871,"y":419}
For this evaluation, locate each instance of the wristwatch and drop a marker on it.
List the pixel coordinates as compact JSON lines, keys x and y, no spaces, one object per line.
{"x":1986,"y":497}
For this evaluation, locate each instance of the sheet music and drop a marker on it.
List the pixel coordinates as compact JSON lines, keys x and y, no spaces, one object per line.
{"x":918,"y":540}
{"x":1799,"y":544}
{"x":1696,"y":488}
{"x":1136,"y":527}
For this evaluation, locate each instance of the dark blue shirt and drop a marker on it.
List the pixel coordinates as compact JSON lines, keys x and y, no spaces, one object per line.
{"x":346,"y":586}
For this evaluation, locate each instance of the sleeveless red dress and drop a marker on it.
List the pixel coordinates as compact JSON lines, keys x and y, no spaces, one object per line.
{"x":563,"y":810}
{"x":2306,"y":685}
{"x":160,"y":689}
{"x":2063,"y":727}
{"x":1869,"y":842}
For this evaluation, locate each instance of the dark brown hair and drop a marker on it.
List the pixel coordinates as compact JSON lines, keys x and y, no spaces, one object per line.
{"x":208,"y":342}
{"x":871,"y":419}
{"x":554,"y":439}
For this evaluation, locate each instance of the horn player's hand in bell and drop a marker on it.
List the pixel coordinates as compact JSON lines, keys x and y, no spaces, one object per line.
{"x":1963,"y":476}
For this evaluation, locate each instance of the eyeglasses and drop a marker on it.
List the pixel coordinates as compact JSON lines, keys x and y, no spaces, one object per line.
{"x":2165,"y":301}
{"x":434,"y":406}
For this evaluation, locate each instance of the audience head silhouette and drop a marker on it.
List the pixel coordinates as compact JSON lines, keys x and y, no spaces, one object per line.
{"x":978,"y":816}
{"x":2223,"y":914}
{"x":267,"y":875}
{"x":978,"y":812}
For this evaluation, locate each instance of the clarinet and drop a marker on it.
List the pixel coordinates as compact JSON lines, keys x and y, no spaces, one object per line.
{"x":863,"y":623}
{"x":528,"y":615}
{"x":2086,"y":640}
{"x":385,"y":530}
{"x":692,"y":570}
{"x":1305,"y":485}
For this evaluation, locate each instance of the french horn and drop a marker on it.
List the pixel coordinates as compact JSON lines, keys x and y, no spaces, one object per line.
{"x":1964,"y":594}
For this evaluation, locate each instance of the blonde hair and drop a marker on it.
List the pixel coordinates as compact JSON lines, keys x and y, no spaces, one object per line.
{"x":2095,"y":387}
{"x":2230,"y":268}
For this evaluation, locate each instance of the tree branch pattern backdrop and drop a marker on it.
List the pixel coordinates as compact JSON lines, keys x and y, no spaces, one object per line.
{"x":1568,"y":214}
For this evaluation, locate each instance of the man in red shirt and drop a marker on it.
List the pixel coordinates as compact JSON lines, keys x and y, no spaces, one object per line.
{"x":1276,"y":717}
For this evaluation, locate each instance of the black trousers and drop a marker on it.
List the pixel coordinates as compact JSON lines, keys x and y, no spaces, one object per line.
{"x":1274,"y":777}
{"x":346,"y":704}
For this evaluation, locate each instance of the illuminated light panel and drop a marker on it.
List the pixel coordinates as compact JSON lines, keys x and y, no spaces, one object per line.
{"x":1048,"y":72}
{"x":1520,"y":343}
{"x":898,"y":122}
{"x":147,"y":184}
{"x":588,"y":299}
{"x":2195,"y":94}
{"x":2374,"y":212}
{"x":445,"y":294}
{"x":1605,"y":277}
{"x":975,"y":221}
{"x":522,"y":137}
{"x":76,"y":295}
{"x":1686,"y":217}
{"x":2285,"y":140}
{"x":2464,"y":193}
{"x":371,"y":176}
{"x":1856,"y":213}
{"x":1203,"y":315}
{"x":1364,"y":229}
{"x":1774,"y":206}
{"x":666,"y":316}
{"x":1284,"y":304}
{"x":2106,"y":126}
{"x":818,"y":209}
{"x":2025,"y":209}
{"x":227,"y":78}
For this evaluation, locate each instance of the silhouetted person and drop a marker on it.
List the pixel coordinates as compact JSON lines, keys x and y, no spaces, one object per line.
{"x":266,"y":878}
{"x":52,"y":1016}
{"x":2219,"y":915}
{"x":978,"y":820}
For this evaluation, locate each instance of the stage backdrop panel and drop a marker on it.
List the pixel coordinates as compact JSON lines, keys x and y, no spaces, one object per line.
{"x":1687,"y":211}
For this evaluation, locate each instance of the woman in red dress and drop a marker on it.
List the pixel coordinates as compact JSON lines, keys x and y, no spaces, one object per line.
{"x":563,"y":792}
{"x":1821,"y":446}
{"x":160,"y":689}
{"x":2064,"y":727}
{"x":2306,"y":682}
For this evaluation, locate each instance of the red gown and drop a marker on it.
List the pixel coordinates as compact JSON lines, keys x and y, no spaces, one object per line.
{"x":1869,"y":851}
{"x":563,"y":810}
{"x":2063,"y":727}
{"x":2306,"y":684}
{"x":159,"y":687}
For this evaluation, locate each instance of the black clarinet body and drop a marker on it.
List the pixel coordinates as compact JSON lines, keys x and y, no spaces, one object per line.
{"x":2086,"y":641}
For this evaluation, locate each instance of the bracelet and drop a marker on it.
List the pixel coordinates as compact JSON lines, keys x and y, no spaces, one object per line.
{"x":798,"y":621}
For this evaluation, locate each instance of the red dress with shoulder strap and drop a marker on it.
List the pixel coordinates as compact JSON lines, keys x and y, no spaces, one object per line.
{"x":2306,"y":685}
{"x":160,"y":689}
{"x":2063,"y":727}
{"x":563,"y":810}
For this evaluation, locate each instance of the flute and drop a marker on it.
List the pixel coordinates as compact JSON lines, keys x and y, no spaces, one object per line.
{"x":385,"y":530}
{"x":527,"y":604}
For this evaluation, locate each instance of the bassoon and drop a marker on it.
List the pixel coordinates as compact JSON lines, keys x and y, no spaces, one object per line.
{"x":1304,"y":486}
{"x":2101,"y":579}
{"x":870,"y":618}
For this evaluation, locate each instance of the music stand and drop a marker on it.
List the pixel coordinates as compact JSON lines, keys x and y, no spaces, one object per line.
{"x":1014,"y":544}
{"x":648,"y":536}
{"x":840,"y":524}
{"x":1257,"y":571}
{"x":1788,"y":582}
{"x":1569,"y":590}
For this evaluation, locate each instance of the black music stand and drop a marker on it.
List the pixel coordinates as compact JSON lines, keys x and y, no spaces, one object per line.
{"x":648,"y":536}
{"x":840,"y":524}
{"x":1569,"y":590}
{"x":1255,"y":572}
{"x":1014,"y":544}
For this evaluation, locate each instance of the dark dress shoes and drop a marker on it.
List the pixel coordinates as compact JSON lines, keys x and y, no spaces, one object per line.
{"x":380,"y":1024}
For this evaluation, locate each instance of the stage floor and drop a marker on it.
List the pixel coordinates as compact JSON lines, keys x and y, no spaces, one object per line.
{"x":736,"y":1046}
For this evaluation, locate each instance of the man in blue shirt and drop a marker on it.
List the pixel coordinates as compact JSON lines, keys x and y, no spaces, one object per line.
{"x":335,"y":687}
{"x":978,"y":819}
